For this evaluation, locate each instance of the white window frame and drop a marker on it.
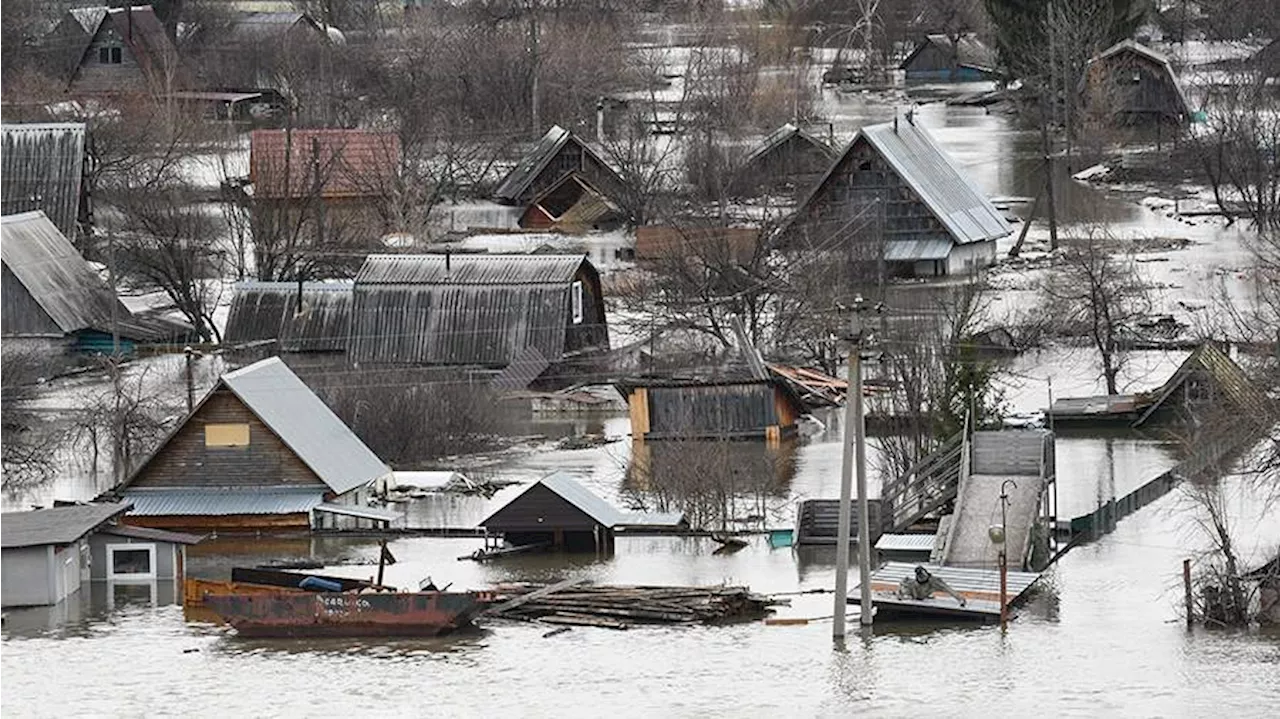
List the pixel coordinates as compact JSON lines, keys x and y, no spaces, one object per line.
{"x":577,"y":301}
{"x":111,"y":565}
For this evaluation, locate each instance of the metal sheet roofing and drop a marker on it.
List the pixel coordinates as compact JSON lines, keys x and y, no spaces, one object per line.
{"x":968,"y":51}
{"x":349,"y":163}
{"x":151,"y":534}
{"x":912,"y":250}
{"x":570,"y":490}
{"x":517,"y":182}
{"x":780,"y":136}
{"x":269,"y":311}
{"x":469,"y":269}
{"x":982,"y":582}
{"x":56,"y":525}
{"x":221,"y":502}
{"x":42,"y":168}
{"x":952,"y":197}
{"x":906,"y":542}
{"x":302,"y":421}
{"x":349,"y":510}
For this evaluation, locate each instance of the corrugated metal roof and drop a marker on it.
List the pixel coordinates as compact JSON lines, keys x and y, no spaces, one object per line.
{"x":469,"y":269}
{"x":55,"y":525}
{"x":952,"y":197}
{"x":269,"y":311}
{"x":567,"y":488}
{"x":350,"y":163}
{"x":290,"y":409}
{"x":69,"y":292}
{"x":41,"y":168}
{"x":350,"y":510}
{"x":517,"y":182}
{"x":906,"y":542}
{"x":912,"y":250}
{"x":221,"y":502}
{"x":149,"y":533}
{"x":963,"y":580}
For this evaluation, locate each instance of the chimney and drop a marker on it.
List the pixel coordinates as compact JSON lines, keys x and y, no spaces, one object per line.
{"x":448,"y":264}
{"x":600,"y":120}
{"x":895,"y":122}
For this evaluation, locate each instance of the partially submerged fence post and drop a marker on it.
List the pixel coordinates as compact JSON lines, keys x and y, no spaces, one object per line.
{"x":1186,"y":588}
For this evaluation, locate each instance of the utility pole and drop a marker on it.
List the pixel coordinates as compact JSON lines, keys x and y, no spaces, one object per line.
{"x":115,"y":297}
{"x":1004,"y":554}
{"x":191,"y":383}
{"x":854,"y":454}
{"x":534,"y":62}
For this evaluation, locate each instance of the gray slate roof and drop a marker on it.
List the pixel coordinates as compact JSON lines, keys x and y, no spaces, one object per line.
{"x":221,"y":502}
{"x":780,"y":136}
{"x":514,"y":185}
{"x":41,"y":168}
{"x":961,"y":207}
{"x":65,"y":288}
{"x":56,"y":525}
{"x":303,"y":422}
{"x":269,"y":311}
{"x":570,"y":490}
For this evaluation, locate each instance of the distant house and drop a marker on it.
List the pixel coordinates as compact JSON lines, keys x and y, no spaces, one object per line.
{"x":560,"y":512}
{"x":942,"y":58}
{"x":119,"y":50}
{"x":322,"y":186}
{"x":788,"y":161}
{"x":260,"y":452}
{"x":54,"y":302}
{"x":251,"y":47}
{"x":712,"y":409}
{"x":475,"y":310}
{"x":935,"y":221}
{"x":1133,"y":83}
{"x":42,"y":168}
{"x":273,"y":315}
{"x":1207,"y":385}
{"x":562,"y":183}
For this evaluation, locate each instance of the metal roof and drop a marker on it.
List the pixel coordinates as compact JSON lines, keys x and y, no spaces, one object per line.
{"x":269,"y":311}
{"x":780,"y":136}
{"x":350,"y":510}
{"x":906,"y":542}
{"x":155,"y":535}
{"x":303,"y":422}
{"x":63,"y":286}
{"x":42,"y":168}
{"x":221,"y":502}
{"x":517,"y":182}
{"x":952,"y":197}
{"x":350,"y":163}
{"x":567,"y":488}
{"x":56,"y":525}
{"x":912,"y":250}
{"x":469,"y":269}
{"x":1245,"y":398}
{"x":968,"y":51}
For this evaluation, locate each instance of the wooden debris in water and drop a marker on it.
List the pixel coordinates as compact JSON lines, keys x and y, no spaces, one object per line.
{"x":616,"y":607}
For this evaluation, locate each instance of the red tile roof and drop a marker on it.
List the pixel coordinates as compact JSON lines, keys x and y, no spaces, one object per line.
{"x":350,"y":163}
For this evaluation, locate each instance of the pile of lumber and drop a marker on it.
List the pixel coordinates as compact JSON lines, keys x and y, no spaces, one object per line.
{"x":618,"y":607}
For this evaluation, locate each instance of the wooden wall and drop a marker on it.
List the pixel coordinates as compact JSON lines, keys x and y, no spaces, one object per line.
{"x":539,"y":510}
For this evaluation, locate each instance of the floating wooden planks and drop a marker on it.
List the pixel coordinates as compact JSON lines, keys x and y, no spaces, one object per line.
{"x":617,"y":607}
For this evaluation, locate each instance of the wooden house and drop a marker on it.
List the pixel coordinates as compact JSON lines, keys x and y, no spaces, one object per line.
{"x":932,"y":220}
{"x":476,"y":310}
{"x":1208,"y":386}
{"x":787,"y":162}
{"x":116,"y":51}
{"x":712,"y":409}
{"x":1130,"y":83}
{"x":259,"y":452}
{"x":42,"y":168}
{"x":563,"y":183}
{"x":560,"y":512}
{"x":53,"y":301}
{"x":249,"y":48}
{"x":945,"y":58}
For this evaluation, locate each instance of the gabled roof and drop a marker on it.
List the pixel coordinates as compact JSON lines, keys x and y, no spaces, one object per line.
{"x":518,"y":181}
{"x":1136,"y":48}
{"x":1247,"y":401}
{"x":968,"y":51}
{"x":350,"y":163}
{"x":606,"y":515}
{"x":56,"y":525}
{"x":41,"y":168}
{"x":269,"y":311}
{"x":923,"y":165}
{"x":469,"y":269}
{"x":268,"y":26}
{"x":147,"y":39}
{"x":303,"y":422}
{"x":779,"y":137}
{"x":62,"y":284}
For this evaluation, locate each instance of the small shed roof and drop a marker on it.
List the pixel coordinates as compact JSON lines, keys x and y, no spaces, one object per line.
{"x":269,"y":26}
{"x":41,"y":168}
{"x":269,"y":311}
{"x":302,"y":421}
{"x":56,"y":525}
{"x":1133,"y":47}
{"x":150,"y":534}
{"x":148,"y":502}
{"x":967,"y":50}
{"x":521,"y":177}
{"x":1247,"y":400}
{"x":606,"y":515}
{"x":346,"y":163}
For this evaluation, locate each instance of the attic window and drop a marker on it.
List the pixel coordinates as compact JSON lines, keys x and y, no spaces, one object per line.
{"x":110,"y":55}
{"x":226,"y":435}
{"x":575,"y":296}
{"x":865,"y":165}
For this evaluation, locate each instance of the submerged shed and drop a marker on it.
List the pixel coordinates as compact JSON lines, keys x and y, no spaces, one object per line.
{"x":788,"y":161}
{"x":1208,"y":381}
{"x":475,"y":310}
{"x":46,"y":551}
{"x":559,"y":511}
{"x":259,"y":452}
{"x":42,"y":168}
{"x":1130,"y":82}
{"x":939,"y":57}
{"x":712,"y":409}
{"x":932,"y":219}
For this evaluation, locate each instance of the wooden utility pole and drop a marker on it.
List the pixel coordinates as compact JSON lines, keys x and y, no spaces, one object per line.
{"x":535,"y":61}
{"x":115,"y":297}
{"x":1186,"y":589}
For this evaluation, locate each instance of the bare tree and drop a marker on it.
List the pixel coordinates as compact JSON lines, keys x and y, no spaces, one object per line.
{"x":29,"y":442}
{"x":1240,"y":148}
{"x":125,"y":419}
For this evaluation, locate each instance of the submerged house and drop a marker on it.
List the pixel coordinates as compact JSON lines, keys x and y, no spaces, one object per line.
{"x":260,"y":452}
{"x":563,"y":514}
{"x":934,"y":220}
{"x":1129,"y":82}
{"x":476,"y":310}
{"x":788,"y":161}
{"x":944,"y":58}
{"x":117,"y":50}
{"x":1207,"y":386}
{"x":563,"y":183}
{"x":42,"y":168}
{"x":55,"y":303}
{"x":712,"y":409}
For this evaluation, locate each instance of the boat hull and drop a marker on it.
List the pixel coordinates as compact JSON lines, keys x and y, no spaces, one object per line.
{"x":347,"y":614}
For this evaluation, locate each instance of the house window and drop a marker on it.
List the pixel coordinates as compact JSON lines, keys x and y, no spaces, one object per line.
{"x":226,"y":435}
{"x":131,"y":561}
{"x":576,"y":299}
{"x":110,"y":55}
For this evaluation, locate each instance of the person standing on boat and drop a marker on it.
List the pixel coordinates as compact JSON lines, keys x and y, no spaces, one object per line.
{"x":923,"y":585}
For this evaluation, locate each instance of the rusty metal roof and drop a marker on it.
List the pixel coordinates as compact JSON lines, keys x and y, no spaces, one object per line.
{"x":41,"y":168}
{"x":269,"y":311}
{"x":344,"y":163}
{"x":56,"y":525}
{"x":469,"y":269}
{"x":303,"y":422}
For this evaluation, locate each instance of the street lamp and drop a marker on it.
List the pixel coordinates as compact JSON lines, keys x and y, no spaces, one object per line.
{"x":998,"y":536}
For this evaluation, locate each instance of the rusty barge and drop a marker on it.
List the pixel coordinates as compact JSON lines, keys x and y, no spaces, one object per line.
{"x":289,"y":613}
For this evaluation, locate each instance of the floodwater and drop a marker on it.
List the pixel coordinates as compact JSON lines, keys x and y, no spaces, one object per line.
{"x":1104,"y":636}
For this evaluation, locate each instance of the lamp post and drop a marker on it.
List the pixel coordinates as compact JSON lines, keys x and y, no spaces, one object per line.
{"x":1004,"y":554}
